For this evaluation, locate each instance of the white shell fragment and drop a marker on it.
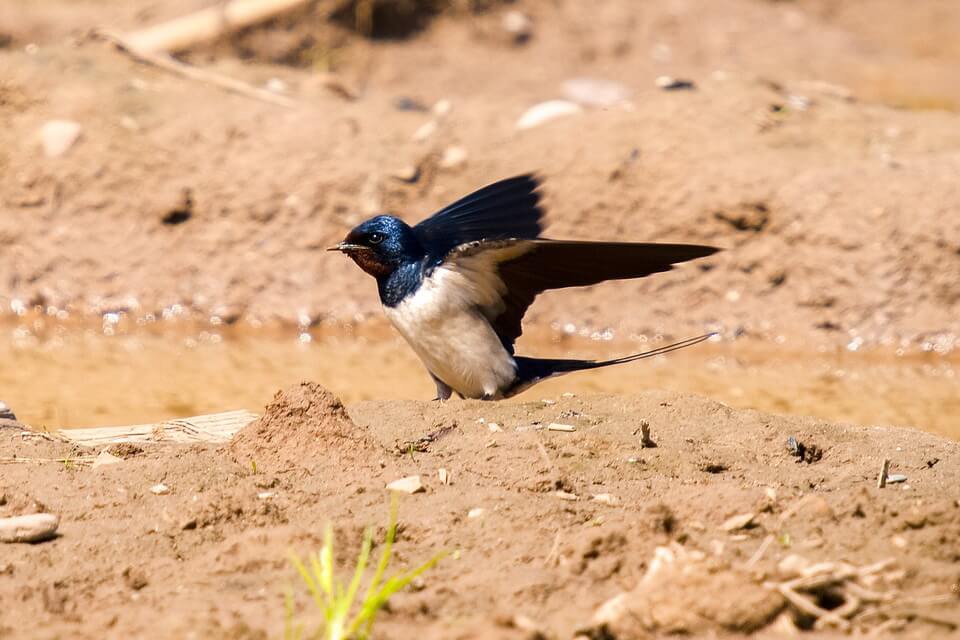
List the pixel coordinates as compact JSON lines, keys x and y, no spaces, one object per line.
{"x":518,"y":25}
{"x":544,"y":112}
{"x":741,"y":521}
{"x":566,"y":495}
{"x":410,"y":484}
{"x":6,"y":413}
{"x":595,"y":92}
{"x":34,"y":527}
{"x":606,"y":498}
{"x":476,"y":512}
{"x":556,"y":426}
{"x":57,"y":136}
{"x":453,"y":157}
{"x":443,"y":475}
{"x":425,"y":130}
{"x":160,"y":489}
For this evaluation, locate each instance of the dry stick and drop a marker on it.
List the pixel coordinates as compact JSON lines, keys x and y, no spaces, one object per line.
{"x":207,"y":24}
{"x":755,"y":558}
{"x":810,"y":608}
{"x":165,"y":62}
{"x":18,"y":460}
{"x":884,"y":470}
{"x":553,"y":558}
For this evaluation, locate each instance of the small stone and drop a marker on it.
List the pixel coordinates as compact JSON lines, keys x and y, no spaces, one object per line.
{"x":106,"y":458}
{"x":406,"y":103}
{"x":444,"y":476}
{"x":410,"y":484}
{"x":409,"y":173}
{"x":915,"y":518}
{"x":567,"y":394}
{"x":792,"y":566}
{"x":494,"y":428}
{"x":6,"y":413}
{"x":606,"y":498}
{"x":815,"y":507}
{"x":544,"y":112}
{"x":899,"y":541}
{"x":518,"y":25}
{"x":894,"y":478}
{"x":276,"y":85}
{"x":453,"y":157}
{"x":476,"y":512}
{"x":741,"y":521}
{"x":555,"y":426}
{"x":547,"y":402}
{"x":35,"y":527}
{"x":57,"y":136}
{"x":266,"y":495}
{"x":669,"y":83}
{"x":566,"y":495}
{"x":442,"y":108}
{"x":189,"y":524}
{"x":426,"y":130}
{"x":135,"y":578}
{"x":129,"y":123}
{"x":160,"y":489}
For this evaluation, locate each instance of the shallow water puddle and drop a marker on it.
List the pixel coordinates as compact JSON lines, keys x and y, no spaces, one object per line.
{"x":74,"y":378}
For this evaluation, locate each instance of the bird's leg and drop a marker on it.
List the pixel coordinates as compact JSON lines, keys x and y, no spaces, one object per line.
{"x":443,"y":389}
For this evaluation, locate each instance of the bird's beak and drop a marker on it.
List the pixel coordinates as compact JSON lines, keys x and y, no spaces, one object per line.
{"x":346,"y":246}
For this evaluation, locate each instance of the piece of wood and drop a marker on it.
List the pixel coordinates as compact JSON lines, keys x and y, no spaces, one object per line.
{"x":165,"y":62}
{"x":207,"y":24}
{"x":884,"y":472}
{"x":215,"y":428}
{"x":34,"y":527}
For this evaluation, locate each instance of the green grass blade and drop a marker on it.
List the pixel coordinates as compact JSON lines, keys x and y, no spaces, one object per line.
{"x":372,"y":605}
{"x":387,"y":548}
{"x":360,"y":569}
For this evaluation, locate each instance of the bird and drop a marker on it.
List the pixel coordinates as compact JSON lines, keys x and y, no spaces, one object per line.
{"x":457,"y":285}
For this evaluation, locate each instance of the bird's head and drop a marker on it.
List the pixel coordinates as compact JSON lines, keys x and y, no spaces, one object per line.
{"x":380,"y":245}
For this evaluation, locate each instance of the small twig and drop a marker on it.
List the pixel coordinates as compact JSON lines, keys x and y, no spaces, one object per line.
{"x":19,"y":460}
{"x":896,"y":624}
{"x":167,"y":63}
{"x":762,"y":549}
{"x":866,"y":594}
{"x":884,"y":470}
{"x":553,"y":558}
{"x":810,"y":608}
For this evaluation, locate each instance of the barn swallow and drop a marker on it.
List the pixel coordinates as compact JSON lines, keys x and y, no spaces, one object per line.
{"x":456,"y":286}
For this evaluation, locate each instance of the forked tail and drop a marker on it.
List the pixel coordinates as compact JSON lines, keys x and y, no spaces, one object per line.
{"x":532,"y":370}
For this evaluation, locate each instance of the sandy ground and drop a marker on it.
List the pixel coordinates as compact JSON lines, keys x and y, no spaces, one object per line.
{"x":838,"y":212}
{"x":820,"y":146}
{"x":208,"y":559}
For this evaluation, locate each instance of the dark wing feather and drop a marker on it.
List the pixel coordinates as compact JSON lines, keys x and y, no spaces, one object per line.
{"x":557,"y":264}
{"x":506,"y":209}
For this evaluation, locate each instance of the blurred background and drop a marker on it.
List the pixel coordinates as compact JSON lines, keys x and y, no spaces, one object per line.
{"x":170,"y":173}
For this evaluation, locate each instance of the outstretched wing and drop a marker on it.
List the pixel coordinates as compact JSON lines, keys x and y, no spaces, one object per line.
{"x":505,"y":276}
{"x":509,"y":209}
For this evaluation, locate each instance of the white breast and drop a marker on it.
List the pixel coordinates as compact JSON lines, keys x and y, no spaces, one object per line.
{"x":444,"y":324}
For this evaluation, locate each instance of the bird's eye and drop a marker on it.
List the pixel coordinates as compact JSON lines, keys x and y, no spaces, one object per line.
{"x":375,"y":238}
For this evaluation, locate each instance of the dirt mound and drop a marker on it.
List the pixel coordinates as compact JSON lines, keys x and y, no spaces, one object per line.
{"x":303,"y":426}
